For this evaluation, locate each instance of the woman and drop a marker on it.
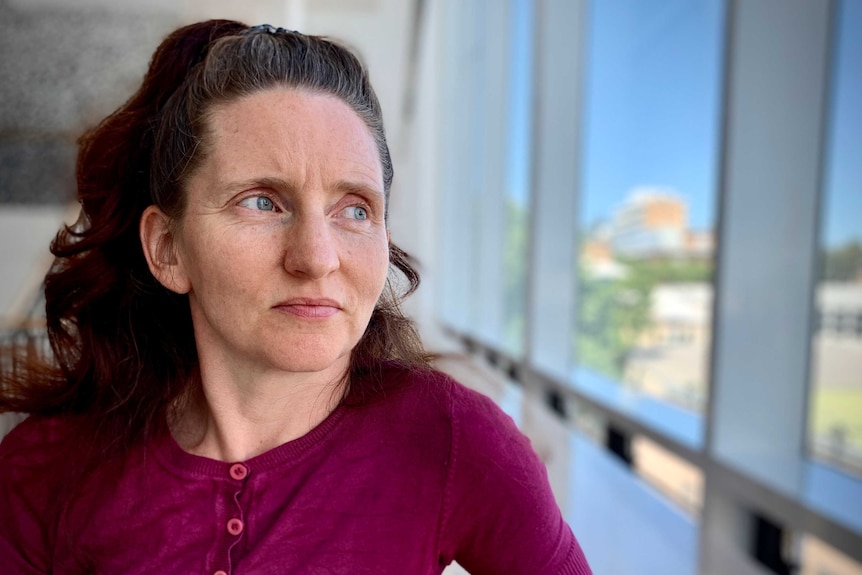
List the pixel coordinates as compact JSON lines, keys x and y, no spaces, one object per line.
{"x":233,"y":387}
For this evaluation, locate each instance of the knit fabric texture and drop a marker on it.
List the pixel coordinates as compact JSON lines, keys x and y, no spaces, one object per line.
{"x":424,"y":473}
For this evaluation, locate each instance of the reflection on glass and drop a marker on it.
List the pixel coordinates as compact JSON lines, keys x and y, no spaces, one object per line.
{"x":818,"y":558}
{"x":679,"y":481}
{"x":517,"y":180}
{"x":647,"y":228}
{"x":836,"y":406}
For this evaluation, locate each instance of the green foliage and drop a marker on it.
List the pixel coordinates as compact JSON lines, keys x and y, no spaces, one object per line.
{"x":612,"y":314}
{"x":836,"y":419}
{"x":603,"y":337}
{"x":515,"y":273}
{"x":843,"y":264}
{"x":665,"y":271}
{"x":837,"y":408}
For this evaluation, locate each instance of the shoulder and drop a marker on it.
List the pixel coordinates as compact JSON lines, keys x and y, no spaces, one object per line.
{"x":484,"y":444}
{"x":487,"y":443}
{"x":434,"y":394}
{"x":447,"y":418}
{"x":42,"y":460}
{"x":480,"y":428}
{"x":499,"y":513}
{"x":430,"y":394}
{"x":36,"y":458}
{"x":36,"y":440}
{"x":393,"y":388}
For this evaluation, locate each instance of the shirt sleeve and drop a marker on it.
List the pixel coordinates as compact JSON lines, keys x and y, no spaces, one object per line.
{"x":27,"y":493}
{"x":499,"y":514}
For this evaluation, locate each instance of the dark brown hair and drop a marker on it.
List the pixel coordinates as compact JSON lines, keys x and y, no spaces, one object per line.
{"x":123,"y":347}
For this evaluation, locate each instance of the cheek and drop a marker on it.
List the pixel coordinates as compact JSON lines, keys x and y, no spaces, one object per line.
{"x":217,"y":264}
{"x":381,"y":264}
{"x":371,"y":266}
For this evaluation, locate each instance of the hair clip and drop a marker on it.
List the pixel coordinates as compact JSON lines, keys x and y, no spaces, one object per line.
{"x":270,"y":29}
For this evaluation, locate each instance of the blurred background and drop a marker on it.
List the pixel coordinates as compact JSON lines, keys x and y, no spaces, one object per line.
{"x":639,"y":224}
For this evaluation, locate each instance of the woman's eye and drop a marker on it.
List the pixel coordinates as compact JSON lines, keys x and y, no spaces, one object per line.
{"x":261,"y":203}
{"x":357,"y":213}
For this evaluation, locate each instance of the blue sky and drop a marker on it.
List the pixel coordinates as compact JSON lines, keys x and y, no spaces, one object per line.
{"x":652,"y":103}
{"x":520,"y":100}
{"x":652,"y":115}
{"x":842,"y":206}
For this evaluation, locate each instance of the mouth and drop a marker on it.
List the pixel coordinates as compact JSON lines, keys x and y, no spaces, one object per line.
{"x":309,"y":308}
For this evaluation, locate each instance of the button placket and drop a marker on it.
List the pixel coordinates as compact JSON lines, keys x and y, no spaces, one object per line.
{"x":233,"y":525}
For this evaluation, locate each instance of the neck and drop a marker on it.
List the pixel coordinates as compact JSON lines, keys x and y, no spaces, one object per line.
{"x":235,"y":419}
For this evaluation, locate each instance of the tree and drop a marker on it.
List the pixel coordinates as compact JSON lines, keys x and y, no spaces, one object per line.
{"x":842,"y":264}
{"x":613,"y":314}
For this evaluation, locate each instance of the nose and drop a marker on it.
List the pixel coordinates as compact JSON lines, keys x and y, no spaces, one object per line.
{"x":311,"y":250}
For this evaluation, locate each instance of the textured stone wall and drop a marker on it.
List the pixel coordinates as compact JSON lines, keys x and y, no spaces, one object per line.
{"x":62,"y":70}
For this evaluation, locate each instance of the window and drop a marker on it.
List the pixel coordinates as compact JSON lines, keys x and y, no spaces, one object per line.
{"x":647,"y":224}
{"x":487,"y":201}
{"x":676,"y":479}
{"x":517,"y":184}
{"x":649,"y":119}
{"x":835,"y":423}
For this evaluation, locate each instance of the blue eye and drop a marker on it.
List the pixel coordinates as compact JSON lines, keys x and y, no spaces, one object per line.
{"x":264,"y":204}
{"x":261,"y":203}
{"x":358,"y":212}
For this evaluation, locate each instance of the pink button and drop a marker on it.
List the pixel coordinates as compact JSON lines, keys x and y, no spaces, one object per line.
{"x":238,"y":471}
{"x":235,"y":526}
{"x":220,"y":572}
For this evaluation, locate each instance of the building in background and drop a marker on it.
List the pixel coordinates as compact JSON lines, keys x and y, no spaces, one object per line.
{"x":651,"y":223}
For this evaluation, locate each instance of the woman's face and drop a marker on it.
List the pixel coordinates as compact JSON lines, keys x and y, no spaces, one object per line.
{"x":283,"y":248}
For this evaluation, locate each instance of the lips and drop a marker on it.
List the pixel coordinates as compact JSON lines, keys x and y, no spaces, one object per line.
{"x":310,"y":308}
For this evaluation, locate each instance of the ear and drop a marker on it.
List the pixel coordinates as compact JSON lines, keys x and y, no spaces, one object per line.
{"x":160,"y":251}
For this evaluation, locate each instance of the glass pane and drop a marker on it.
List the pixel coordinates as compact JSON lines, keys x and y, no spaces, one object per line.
{"x":476,"y":166}
{"x":818,"y":558}
{"x":647,"y":223}
{"x":836,"y":405}
{"x":624,"y":526}
{"x":517,"y":177}
{"x":487,"y":172}
{"x":677,"y":479}
{"x":458,"y":237}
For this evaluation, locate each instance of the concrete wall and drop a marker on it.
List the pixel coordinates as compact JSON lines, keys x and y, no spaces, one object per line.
{"x":63,"y":69}
{"x":66,"y":64}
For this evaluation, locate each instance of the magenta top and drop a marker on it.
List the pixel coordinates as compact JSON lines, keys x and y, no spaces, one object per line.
{"x":425,"y":473}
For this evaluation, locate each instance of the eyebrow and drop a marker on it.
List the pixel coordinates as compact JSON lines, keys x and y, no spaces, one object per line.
{"x":280,"y":184}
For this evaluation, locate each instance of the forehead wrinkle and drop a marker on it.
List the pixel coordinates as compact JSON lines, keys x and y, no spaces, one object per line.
{"x":237,"y":128}
{"x":267,"y":166}
{"x":274,"y":182}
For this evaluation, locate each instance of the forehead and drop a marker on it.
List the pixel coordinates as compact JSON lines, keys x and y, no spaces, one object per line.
{"x":284,"y":128}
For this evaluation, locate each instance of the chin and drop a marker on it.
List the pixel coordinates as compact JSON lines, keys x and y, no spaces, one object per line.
{"x":313,"y":358}
{"x":306,"y":366}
